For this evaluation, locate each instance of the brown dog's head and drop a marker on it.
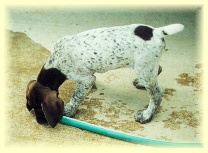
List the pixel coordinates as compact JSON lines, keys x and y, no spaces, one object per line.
{"x":47,"y":105}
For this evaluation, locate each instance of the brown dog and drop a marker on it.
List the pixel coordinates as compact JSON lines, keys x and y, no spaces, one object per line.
{"x":47,"y":105}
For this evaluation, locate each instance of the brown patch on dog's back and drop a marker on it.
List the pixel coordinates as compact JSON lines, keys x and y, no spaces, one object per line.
{"x":144,"y":32}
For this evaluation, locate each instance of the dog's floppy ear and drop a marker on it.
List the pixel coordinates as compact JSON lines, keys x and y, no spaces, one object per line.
{"x":28,"y":92}
{"x":29,"y":86}
{"x":53,"y":108}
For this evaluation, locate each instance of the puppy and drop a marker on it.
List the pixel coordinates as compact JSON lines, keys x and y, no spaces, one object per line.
{"x":79,"y":56}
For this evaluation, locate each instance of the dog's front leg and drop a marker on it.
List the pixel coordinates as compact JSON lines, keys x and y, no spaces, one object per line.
{"x":155,"y":93}
{"x":84,"y":85}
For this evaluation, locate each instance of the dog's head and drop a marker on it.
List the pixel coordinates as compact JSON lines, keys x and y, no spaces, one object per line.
{"x":48,"y":107}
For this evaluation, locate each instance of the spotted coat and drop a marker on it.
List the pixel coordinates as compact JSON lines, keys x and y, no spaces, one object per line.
{"x":104,"y":49}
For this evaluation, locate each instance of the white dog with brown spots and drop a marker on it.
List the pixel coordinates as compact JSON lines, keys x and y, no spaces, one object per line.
{"x":79,"y":56}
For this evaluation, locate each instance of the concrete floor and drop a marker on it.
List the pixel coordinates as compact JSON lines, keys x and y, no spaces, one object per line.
{"x":116,"y":100}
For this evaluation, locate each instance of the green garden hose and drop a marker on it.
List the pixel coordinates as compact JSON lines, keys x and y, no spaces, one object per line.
{"x":125,"y":136}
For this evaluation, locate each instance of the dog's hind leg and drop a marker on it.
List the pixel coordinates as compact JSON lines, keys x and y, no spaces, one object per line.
{"x":147,"y":72}
{"x":84,"y":85}
{"x":155,"y":94}
{"x":139,"y":85}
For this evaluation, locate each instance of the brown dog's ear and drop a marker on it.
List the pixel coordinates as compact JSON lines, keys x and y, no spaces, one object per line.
{"x":53,"y":108}
{"x":29,"y":86}
{"x":28,"y":90}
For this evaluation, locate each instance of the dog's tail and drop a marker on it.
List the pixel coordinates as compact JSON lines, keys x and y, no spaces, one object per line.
{"x":168,"y":30}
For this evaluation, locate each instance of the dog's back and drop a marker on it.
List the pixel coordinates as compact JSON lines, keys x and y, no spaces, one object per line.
{"x":103,"y":49}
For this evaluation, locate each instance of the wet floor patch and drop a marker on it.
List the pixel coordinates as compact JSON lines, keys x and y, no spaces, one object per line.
{"x":116,"y":115}
{"x":168,"y":93}
{"x":198,"y":66}
{"x":183,"y":117}
{"x":186,"y":79}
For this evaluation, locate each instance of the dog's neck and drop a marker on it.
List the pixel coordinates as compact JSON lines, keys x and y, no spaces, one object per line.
{"x":51,"y":78}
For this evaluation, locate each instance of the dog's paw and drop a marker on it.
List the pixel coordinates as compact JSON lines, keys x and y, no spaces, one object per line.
{"x":142,"y":117}
{"x":68,"y":114}
{"x":69,"y":111}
